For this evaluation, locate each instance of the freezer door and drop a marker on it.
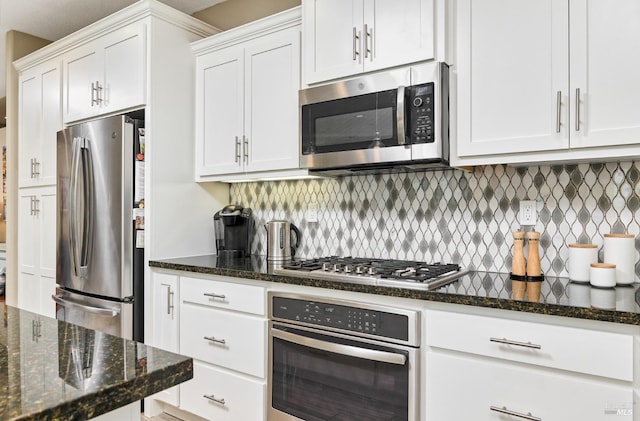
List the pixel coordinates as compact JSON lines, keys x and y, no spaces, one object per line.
{"x":115,"y":318}
{"x":95,"y":202}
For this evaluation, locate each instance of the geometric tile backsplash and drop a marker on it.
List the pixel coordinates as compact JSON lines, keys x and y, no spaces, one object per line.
{"x":464,"y":217}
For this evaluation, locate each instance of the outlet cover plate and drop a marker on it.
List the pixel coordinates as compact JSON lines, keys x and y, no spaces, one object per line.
{"x":528,"y":214}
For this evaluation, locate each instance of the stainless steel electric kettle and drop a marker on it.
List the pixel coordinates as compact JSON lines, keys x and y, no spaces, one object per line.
{"x":279,"y":244}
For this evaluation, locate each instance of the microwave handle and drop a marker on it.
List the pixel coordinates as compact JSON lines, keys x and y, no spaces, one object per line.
{"x":400,"y":116}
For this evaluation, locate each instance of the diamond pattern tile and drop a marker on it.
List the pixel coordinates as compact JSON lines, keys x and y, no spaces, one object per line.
{"x":453,"y":216}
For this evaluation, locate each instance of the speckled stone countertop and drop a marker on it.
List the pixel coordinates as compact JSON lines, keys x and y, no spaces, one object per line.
{"x":53,"y":370}
{"x":559,"y":296}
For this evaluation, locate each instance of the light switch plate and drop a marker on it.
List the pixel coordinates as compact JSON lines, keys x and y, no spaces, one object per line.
{"x":312,"y":213}
{"x":528,"y":214}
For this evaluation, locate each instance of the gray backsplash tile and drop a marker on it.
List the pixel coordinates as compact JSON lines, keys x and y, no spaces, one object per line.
{"x":452,"y":215}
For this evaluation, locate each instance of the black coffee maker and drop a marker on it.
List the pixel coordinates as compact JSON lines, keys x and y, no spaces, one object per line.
{"x":233,"y":226}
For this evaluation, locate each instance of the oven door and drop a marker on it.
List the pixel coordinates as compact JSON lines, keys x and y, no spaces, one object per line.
{"x":316,"y":375}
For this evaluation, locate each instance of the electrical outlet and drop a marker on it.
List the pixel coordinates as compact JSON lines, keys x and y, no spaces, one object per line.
{"x":528,"y":214}
{"x":312,"y":213}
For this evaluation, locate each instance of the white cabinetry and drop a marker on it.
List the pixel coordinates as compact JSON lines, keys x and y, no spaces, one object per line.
{"x":40,"y":120}
{"x":548,"y":371}
{"x":547,"y":80}
{"x":221,"y":323}
{"x":105,"y":75}
{"x":165,"y":323}
{"x":343,"y":38}
{"x":36,"y":249}
{"x":247,"y":83}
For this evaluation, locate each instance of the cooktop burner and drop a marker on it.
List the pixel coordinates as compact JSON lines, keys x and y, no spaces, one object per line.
{"x":382,"y":272}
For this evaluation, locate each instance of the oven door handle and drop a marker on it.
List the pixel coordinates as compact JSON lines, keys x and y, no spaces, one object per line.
{"x":348,"y":350}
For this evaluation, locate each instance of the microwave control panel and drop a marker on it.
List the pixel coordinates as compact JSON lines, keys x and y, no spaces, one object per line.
{"x":420,"y":110}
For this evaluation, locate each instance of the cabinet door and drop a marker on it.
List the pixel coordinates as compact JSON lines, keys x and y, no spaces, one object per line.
{"x":547,"y":395}
{"x":219,"y":112}
{"x":332,"y":39}
{"x":272,"y":81}
{"x":397,"y":32}
{"x":165,"y":324}
{"x":27,"y":233}
{"x":605,"y":58}
{"x":29,"y":132}
{"x":512,"y":76}
{"x":46,"y":215}
{"x":51,"y":122}
{"x":124,"y":69}
{"x":82,"y":72}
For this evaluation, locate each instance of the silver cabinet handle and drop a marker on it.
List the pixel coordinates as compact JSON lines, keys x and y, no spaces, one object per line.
{"x":577,"y":109}
{"x":368,"y":40}
{"x":36,"y":205}
{"x":31,"y":205}
{"x":37,"y":167}
{"x":348,"y":350}
{"x":506,"y":411}
{"x":245,"y":148}
{"x":169,"y":300}
{"x":214,"y":295}
{"x":516,"y":343}
{"x":33,"y":166}
{"x":237,"y":158}
{"x":558,"y":110}
{"x":216,"y":340}
{"x":356,"y":38}
{"x":214,"y":399}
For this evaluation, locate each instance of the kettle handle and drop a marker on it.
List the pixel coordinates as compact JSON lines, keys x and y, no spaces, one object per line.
{"x":295,"y":246}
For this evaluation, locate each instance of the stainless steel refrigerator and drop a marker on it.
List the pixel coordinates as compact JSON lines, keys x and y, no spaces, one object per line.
{"x":100,"y":254}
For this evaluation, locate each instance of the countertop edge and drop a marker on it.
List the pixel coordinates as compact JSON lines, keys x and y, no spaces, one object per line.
{"x":596,"y":314}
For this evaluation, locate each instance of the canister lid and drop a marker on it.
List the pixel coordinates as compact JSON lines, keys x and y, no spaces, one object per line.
{"x":583,"y":246}
{"x":619,"y":235}
{"x":603,"y":265}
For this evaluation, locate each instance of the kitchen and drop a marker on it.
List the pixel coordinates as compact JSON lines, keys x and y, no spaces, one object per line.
{"x":575,"y":202}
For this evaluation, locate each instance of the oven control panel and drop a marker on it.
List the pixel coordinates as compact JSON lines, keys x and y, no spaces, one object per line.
{"x":341,"y":317}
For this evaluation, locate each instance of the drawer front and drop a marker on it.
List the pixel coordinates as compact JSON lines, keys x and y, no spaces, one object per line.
{"x":574,"y":349}
{"x":243,"y":399}
{"x":235,"y":341}
{"x":226,"y":295}
{"x":468,"y":388}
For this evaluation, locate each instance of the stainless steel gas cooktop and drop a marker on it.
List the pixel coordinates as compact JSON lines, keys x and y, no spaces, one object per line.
{"x":381,"y":272}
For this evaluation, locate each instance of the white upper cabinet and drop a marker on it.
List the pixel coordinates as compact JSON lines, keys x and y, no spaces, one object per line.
{"x":542,"y":81}
{"x":343,"y":38}
{"x":247,"y":83}
{"x":40,"y":120}
{"x":106,"y":74}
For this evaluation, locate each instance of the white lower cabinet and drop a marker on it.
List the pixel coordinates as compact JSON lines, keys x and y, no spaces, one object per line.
{"x":461,"y":387}
{"x":219,"y":395}
{"x":226,"y":339}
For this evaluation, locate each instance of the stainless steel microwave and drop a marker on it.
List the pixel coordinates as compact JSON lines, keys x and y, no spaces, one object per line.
{"x":390,"y":122}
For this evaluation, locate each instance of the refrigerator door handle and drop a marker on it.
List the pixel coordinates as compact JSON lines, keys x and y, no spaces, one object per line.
{"x":81,"y":250}
{"x":113,"y":312}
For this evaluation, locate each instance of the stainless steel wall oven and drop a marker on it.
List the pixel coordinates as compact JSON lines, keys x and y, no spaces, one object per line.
{"x":341,"y":360}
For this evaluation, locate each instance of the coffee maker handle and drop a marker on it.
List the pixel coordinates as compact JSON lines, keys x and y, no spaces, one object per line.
{"x":295,"y":246}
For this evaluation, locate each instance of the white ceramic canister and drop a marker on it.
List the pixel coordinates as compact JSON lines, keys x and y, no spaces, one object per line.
{"x":603,"y":275}
{"x":580,"y":258}
{"x":620,"y":250}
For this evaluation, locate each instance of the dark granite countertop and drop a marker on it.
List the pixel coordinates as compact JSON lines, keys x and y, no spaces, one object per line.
{"x":558,"y":297}
{"x":53,"y":370}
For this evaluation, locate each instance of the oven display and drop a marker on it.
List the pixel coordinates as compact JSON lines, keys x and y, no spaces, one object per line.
{"x":347,"y":318}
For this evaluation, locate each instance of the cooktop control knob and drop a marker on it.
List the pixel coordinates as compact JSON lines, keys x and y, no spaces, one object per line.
{"x":372,"y":270}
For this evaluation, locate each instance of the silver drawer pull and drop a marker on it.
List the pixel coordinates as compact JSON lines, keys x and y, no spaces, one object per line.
{"x":214,"y":295}
{"x":216,"y":400}
{"x":516,"y":343}
{"x":216,"y":340}
{"x":504,"y":410}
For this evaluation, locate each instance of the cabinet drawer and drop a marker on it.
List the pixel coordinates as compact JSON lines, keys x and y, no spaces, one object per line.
{"x":574,"y":349}
{"x":244,"y":399}
{"x":225,"y":295}
{"x":236,"y":341}
{"x":467,"y":388}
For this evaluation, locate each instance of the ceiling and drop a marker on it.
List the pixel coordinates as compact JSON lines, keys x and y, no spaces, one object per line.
{"x":53,"y":20}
